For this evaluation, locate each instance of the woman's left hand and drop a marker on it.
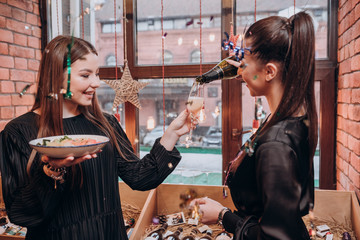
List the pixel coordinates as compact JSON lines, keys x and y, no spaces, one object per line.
{"x":182,"y":124}
{"x":210,"y":209}
{"x":178,"y":127}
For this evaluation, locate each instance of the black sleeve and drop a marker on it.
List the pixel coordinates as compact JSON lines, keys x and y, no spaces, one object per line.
{"x":148,"y":172}
{"x":29,"y":201}
{"x":280,"y":190}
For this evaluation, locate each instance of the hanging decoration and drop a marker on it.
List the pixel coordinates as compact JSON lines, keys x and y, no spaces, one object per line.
{"x":126,"y":89}
{"x":200,"y":27}
{"x":256,"y":121}
{"x":82,"y":20}
{"x":80,"y":17}
{"x":230,"y":43}
{"x":163,"y":36}
{"x":57,"y":17}
{"x":202,"y":115}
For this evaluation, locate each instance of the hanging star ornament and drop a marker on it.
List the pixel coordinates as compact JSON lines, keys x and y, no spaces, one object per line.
{"x":126,"y":89}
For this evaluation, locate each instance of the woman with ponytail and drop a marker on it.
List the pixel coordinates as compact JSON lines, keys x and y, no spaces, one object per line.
{"x":76,"y":198}
{"x":271,"y":179}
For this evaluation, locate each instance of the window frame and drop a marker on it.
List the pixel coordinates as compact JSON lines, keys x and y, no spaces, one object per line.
{"x":326,"y":73}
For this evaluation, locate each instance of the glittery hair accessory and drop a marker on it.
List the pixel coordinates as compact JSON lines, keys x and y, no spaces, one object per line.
{"x":68,"y":94}
{"x":52,"y":96}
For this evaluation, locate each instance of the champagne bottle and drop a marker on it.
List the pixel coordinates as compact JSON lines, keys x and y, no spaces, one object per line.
{"x":223,"y":70}
{"x":175,"y":235}
{"x":223,"y":236}
{"x":129,"y":223}
{"x":158,"y":233}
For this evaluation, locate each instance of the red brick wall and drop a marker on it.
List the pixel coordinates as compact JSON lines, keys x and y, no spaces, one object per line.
{"x":20,"y":55}
{"x":348,"y":111}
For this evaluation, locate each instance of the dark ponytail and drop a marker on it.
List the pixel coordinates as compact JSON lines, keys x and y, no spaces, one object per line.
{"x":290,"y":42}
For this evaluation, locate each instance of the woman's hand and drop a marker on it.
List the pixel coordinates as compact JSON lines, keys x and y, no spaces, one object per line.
{"x":234,"y":63}
{"x":240,"y":65}
{"x":181,"y":124}
{"x":66,"y":162}
{"x":178,"y":127}
{"x":209,"y":208}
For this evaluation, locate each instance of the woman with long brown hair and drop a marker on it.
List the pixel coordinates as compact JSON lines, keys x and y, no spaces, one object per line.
{"x":76,"y":198}
{"x":271,"y":179}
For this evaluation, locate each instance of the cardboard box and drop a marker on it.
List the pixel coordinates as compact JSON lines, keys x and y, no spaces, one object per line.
{"x":339,"y":205}
{"x":329,"y":204}
{"x":165,"y":199}
{"x":127,"y":195}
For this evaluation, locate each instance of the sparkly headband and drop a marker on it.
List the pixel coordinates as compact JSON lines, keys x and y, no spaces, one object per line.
{"x":68,"y":93}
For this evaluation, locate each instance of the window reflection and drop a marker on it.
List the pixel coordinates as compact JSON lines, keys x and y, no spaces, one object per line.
{"x":181,"y":25}
{"x":110,"y":60}
{"x":245,"y":17}
{"x":207,"y":136}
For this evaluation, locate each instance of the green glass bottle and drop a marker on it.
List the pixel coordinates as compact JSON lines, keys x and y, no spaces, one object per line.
{"x":175,"y":235}
{"x":223,"y":70}
{"x":158,"y":233}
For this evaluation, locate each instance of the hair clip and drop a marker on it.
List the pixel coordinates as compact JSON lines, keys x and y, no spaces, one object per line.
{"x":52,"y":96}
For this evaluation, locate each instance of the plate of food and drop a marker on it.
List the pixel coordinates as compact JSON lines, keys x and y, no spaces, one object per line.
{"x":69,"y":145}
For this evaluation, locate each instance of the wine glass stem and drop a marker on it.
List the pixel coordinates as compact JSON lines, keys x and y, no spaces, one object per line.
{"x":191,"y":126}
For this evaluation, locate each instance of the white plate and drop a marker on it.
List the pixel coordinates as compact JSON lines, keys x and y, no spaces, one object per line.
{"x":65,"y":151}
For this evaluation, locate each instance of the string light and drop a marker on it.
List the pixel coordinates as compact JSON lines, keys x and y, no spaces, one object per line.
{"x":88,"y":10}
{"x":163,"y":60}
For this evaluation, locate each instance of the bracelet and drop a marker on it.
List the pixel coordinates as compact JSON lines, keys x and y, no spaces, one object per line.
{"x":221,"y":215}
{"x":61,"y":170}
{"x":59,"y":177}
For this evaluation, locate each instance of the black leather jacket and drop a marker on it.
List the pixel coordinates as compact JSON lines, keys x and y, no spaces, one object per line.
{"x":272,"y":189}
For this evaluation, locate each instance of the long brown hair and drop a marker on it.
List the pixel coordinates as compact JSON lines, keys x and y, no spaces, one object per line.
{"x":50,"y":78}
{"x":292,"y":43}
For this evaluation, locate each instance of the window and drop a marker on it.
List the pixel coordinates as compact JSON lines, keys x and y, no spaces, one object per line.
{"x":111,"y":60}
{"x":96,"y":26}
{"x":181,"y":24}
{"x":168,"y":57}
{"x":195,"y":56}
{"x":110,"y":27}
{"x":207,"y":136}
{"x":212,"y":92}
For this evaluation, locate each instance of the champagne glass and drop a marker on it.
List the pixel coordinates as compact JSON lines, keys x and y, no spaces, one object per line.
{"x":194,"y":105}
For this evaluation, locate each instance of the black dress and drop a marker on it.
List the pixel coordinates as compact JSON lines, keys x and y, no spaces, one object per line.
{"x":90,"y":212}
{"x":272,"y":188}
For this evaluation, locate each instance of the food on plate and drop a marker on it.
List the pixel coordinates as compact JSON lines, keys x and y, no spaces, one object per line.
{"x":67,"y":141}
